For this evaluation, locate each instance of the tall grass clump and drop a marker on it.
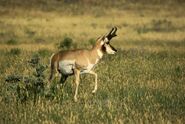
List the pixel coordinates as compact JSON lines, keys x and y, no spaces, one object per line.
{"x":44,"y":52}
{"x":12,"y":42}
{"x":15,"y":51}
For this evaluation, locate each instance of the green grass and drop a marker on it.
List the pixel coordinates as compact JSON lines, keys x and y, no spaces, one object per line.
{"x":142,"y":83}
{"x":134,"y":86}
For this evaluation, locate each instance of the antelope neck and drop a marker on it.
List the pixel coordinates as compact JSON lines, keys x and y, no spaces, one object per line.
{"x":97,"y":52}
{"x":100,"y":53}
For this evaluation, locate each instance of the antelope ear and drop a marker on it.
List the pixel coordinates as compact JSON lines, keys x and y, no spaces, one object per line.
{"x":103,"y":39}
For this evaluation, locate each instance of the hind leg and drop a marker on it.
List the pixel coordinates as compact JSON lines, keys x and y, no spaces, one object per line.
{"x":63,"y":78}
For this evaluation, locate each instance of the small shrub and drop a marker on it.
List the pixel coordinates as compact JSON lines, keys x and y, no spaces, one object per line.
{"x":32,"y":86}
{"x":92,"y":41}
{"x":66,"y":43}
{"x":34,"y":60}
{"x":15,"y":51}
{"x":12,"y":42}
{"x":44,"y":52}
{"x":13,"y":78}
{"x":157,"y":26}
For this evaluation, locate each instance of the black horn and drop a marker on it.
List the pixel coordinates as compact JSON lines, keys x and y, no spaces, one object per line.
{"x":112,"y":33}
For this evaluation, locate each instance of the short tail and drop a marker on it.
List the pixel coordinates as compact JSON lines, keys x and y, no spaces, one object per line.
{"x":52,"y":67}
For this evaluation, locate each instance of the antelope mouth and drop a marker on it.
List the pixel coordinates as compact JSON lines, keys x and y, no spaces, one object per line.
{"x":115,"y":50}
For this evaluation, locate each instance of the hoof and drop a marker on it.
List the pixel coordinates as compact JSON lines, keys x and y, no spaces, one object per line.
{"x":94,"y":91}
{"x":75,"y":99}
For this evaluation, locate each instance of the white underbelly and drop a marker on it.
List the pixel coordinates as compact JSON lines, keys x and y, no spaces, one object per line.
{"x":66,"y":66}
{"x":87,"y":69}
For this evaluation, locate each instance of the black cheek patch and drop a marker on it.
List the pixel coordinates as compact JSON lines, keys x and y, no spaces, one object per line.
{"x":103,"y":49}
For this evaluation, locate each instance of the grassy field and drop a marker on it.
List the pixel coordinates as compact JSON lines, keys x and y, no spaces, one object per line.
{"x":143,"y":83}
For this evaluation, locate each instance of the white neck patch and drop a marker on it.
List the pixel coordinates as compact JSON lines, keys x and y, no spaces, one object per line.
{"x":100,"y":53}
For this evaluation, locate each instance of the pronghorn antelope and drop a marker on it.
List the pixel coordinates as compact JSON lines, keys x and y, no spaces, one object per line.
{"x":76,"y":62}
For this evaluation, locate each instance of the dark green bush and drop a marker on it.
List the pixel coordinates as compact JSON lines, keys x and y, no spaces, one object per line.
{"x":13,"y":78}
{"x":66,"y":43}
{"x":34,"y":60}
{"x":31,"y":86}
{"x":92,"y":41}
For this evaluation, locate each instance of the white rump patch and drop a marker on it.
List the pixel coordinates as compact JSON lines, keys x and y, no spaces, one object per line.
{"x":67,"y":66}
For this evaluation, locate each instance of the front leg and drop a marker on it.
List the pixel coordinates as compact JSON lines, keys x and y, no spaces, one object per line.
{"x":96,"y":81}
{"x":77,"y":81}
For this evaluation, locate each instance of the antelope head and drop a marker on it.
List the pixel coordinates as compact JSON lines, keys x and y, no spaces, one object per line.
{"x":105,"y":41}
